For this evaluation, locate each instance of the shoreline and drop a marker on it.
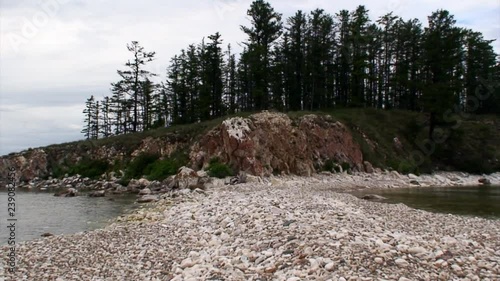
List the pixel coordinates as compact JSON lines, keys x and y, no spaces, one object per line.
{"x":285,"y":228}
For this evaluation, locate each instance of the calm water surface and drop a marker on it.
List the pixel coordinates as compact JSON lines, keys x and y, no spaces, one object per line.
{"x":481,"y":201}
{"x":41,"y":212}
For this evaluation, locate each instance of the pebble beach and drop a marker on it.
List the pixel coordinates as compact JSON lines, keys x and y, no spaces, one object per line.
{"x":287,"y":228}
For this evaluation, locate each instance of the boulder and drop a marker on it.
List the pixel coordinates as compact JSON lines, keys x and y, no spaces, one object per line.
{"x":133,"y":185}
{"x":186,"y":178}
{"x":484,"y":181}
{"x":155,"y":186}
{"x":120,"y":189}
{"x":373,"y":197}
{"x":170,"y":183}
{"x":413,"y":177}
{"x":99,"y":193}
{"x":70,"y":192}
{"x":136,"y":185}
{"x":147,"y":199}
{"x":368,"y":167}
{"x":143,"y":183}
{"x":145,"y":191}
{"x":414,"y":182}
{"x":253,"y":179}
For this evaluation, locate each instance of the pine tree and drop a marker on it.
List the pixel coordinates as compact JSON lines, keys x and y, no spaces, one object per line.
{"x":266,"y":29}
{"x":119,"y":108}
{"x":148,"y":89}
{"x":245,"y":82}
{"x":442,"y":54}
{"x":193,"y":81}
{"x":359,"y":25}
{"x":320,"y":41}
{"x":230,"y":91}
{"x":175,"y":90}
{"x":94,"y":133}
{"x":442,"y":49}
{"x":105,"y":120}
{"x":480,"y":66}
{"x":134,"y":76}
{"x":385,"y":97}
{"x":294,"y":49}
{"x":89,"y":121}
{"x":213,"y":76}
{"x":344,"y":59}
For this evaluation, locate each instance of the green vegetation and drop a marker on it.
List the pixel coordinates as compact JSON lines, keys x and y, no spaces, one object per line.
{"x":154,"y":168}
{"x":140,"y":166}
{"x":86,"y":167}
{"x":329,"y":165}
{"x":161,"y":169}
{"x":218,"y":169}
{"x":471,"y":144}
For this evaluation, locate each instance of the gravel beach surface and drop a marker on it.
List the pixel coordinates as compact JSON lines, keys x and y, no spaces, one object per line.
{"x":289,"y":229}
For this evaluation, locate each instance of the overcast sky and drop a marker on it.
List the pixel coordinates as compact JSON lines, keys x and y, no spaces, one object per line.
{"x":54,"y":54}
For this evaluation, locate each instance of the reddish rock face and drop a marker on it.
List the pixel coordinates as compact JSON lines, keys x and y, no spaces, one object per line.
{"x":27,"y":166}
{"x":267,"y":143}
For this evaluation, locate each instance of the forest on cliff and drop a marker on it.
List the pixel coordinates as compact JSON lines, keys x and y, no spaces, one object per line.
{"x":311,"y":61}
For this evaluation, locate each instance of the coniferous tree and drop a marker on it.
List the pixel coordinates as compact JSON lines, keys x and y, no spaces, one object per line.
{"x":133,"y":77}
{"x":388,"y":38}
{"x":119,"y":108}
{"x":295,"y":50}
{"x":94,"y":133}
{"x":320,"y":38}
{"x":245,"y":82}
{"x":442,"y":48}
{"x":359,"y":26}
{"x":213,"y":76}
{"x":265,"y":30}
{"x":230,"y":82}
{"x":105,"y":127}
{"x":480,"y":66}
{"x":148,"y":89}
{"x":193,"y":80}
{"x":89,"y":121}
{"x":344,"y":59}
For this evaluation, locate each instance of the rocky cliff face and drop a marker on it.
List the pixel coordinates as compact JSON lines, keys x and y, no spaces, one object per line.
{"x":267,"y":143}
{"x":262,"y":144}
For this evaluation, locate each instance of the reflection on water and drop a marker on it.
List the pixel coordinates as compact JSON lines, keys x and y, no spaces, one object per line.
{"x":482,"y":201}
{"x":41,"y":212}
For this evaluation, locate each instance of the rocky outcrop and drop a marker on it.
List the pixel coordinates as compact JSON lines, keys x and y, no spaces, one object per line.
{"x":42,"y":163}
{"x":28,"y":165}
{"x":159,"y":146}
{"x":262,"y":144}
{"x":70,"y":192}
{"x":272,"y":143}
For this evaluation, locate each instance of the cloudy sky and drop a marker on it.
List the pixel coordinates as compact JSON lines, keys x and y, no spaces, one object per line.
{"x":56,"y":53}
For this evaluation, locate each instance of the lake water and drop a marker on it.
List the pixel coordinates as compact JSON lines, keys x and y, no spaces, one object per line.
{"x":41,"y":212}
{"x":481,"y":201}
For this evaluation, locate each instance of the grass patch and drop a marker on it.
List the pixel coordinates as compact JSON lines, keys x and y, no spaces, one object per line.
{"x":218,"y":169}
{"x":162,"y":169}
{"x":91,"y":168}
{"x":140,"y":166}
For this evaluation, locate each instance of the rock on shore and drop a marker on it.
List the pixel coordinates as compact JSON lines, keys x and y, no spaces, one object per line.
{"x":283,"y":230}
